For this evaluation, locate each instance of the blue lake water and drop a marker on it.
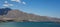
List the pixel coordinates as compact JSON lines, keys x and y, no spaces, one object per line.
{"x":29,"y":24}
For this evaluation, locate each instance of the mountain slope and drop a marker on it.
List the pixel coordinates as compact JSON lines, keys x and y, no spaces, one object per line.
{"x":19,"y":15}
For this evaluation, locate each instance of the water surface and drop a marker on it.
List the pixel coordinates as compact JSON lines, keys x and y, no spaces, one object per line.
{"x":29,"y":24}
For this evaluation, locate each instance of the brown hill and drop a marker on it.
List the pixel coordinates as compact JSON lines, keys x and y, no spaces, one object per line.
{"x":19,"y":16}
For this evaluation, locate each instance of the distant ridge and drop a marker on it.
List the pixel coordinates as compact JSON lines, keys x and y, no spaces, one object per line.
{"x":4,"y":11}
{"x":19,"y":15}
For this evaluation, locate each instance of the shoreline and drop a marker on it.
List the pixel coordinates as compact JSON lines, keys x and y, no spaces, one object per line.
{"x":31,"y":21}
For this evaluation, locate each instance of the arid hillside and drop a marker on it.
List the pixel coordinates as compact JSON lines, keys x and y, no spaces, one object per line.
{"x":18,"y":15}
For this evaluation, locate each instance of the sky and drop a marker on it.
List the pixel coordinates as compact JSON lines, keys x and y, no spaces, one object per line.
{"x":50,"y":8}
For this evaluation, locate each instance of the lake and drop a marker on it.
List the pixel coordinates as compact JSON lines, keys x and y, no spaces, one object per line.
{"x":29,"y":24}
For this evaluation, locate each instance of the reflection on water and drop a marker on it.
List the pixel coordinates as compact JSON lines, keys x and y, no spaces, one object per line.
{"x":28,"y":24}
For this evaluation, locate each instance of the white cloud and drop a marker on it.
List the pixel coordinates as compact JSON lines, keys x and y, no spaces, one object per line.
{"x":19,"y":1}
{"x":24,"y":2}
{"x":11,"y":4}
{"x":6,"y":4}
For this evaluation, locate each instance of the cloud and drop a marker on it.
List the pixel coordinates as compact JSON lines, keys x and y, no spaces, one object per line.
{"x":24,"y":2}
{"x":6,"y":4}
{"x":19,"y":1}
{"x":11,"y":4}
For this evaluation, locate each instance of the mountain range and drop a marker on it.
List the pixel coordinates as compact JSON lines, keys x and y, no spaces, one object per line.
{"x":18,"y":15}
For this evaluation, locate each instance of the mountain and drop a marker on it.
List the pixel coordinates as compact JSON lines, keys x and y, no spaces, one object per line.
{"x":4,"y":11}
{"x":18,"y":15}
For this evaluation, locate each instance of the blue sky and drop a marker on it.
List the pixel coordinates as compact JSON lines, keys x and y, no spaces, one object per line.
{"x":49,"y":8}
